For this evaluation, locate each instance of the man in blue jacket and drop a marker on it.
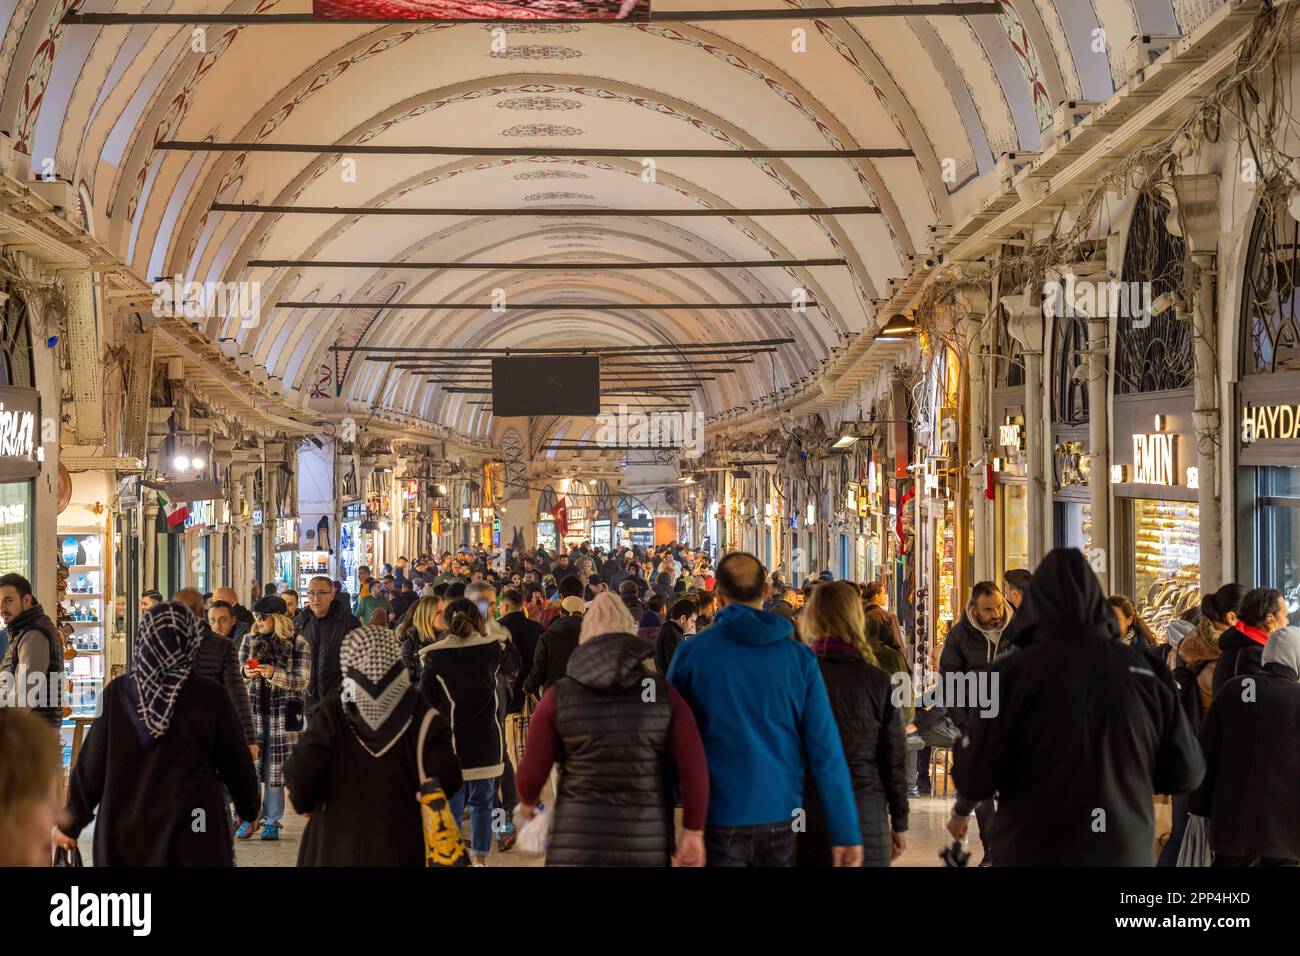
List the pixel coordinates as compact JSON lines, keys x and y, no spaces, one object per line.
{"x":761,"y":706}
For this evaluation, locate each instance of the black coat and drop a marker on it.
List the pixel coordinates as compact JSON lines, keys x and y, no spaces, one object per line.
{"x":325,"y":636}
{"x":612,"y":808}
{"x":1079,"y":736}
{"x":1239,"y":655}
{"x":217,"y":659}
{"x":966,"y":650}
{"x":670,"y":638}
{"x":551,"y":659}
{"x":151,"y":800}
{"x":871,"y":730}
{"x":525,"y":635}
{"x":364,"y":810}
{"x":1252,"y":757}
{"x":458,"y":676}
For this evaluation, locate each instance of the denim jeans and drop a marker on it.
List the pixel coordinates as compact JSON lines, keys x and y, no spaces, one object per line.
{"x":272,"y":804}
{"x":765,"y":844}
{"x":479,"y":794}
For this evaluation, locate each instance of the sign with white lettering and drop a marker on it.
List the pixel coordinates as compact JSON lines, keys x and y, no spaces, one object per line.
{"x":1155,"y":460}
{"x":20,"y":433}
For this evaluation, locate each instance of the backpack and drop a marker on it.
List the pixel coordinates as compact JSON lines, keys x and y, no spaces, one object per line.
{"x":1189,"y":693}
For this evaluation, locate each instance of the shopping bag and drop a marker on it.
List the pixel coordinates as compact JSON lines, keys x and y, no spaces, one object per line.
{"x":1195,"y":850}
{"x":443,"y":846}
{"x":65,"y":857}
{"x":517,"y":731}
{"x":532,"y":836}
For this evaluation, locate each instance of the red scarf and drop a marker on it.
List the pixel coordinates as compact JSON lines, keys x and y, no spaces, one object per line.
{"x":1254,"y":633}
{"x":824,"y":644}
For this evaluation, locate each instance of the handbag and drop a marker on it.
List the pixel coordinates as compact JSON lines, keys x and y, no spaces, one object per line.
{"x":517,"y":730}
{"x":66,"y":857}
{"x":1195,"y":850}
{"x":443,"y":846}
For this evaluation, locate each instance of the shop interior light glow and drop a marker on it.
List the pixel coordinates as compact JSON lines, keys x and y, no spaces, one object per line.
{"x":181,"y":463}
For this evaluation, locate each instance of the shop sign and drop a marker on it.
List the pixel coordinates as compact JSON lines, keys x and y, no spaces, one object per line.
{"x":1009,"y":436}
{"x":12,"y":515}
{"x":1072,"y":464}
{"x":1269,"y":423}
{"x":1155,"y":459}
{"x":257,"y":517}
{"x":20,"y":447}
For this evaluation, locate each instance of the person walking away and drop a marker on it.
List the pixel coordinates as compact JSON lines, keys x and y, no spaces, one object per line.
{"x":1252,"y":761}
{"x":555,"y":647}
{"x":1078,"y":736}
{"x":615,"y":743}
{"x":526,"y":634}
{"x":164,"y":744}
{"x":30,"y":777}
{"x":870,"y":729}
{"x":275,"y":691}
{"x":458,"y":677}
{"x":355,"y":771}
{"x":972,"y":644}
{"x":217,"y":656}
{"x":1241,"y":647}
{"x":32,"y":666}
{"x":323,"y":626}
{"x":765,"y":718}
{"x":679,"y":626}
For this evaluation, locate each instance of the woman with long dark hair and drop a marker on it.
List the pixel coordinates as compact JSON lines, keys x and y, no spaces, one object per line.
{"x":871,"y":729}
{"x":1133,"y":631}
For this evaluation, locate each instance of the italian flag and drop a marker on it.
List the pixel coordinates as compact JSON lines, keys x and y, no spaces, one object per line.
{"x":175,"y":512}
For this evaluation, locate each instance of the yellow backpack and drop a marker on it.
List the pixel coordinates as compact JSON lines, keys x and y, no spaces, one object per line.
{"x":443,"y":845}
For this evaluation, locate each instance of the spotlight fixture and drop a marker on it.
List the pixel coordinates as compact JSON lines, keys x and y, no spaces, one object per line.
{"x":181,"y":463}
{"x":898,"y":327}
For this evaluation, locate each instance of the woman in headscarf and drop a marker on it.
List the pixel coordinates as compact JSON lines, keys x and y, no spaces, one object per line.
{"x":275,"y":690}
{"x":155,"y":760}
{"x":614,"y":728}
{"x":355,"y":771}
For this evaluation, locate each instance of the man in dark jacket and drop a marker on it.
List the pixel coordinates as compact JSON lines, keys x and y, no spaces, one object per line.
{"x":1078,"y":734}
{"x":1263,"y":611}
{"x":525,"y":635}
{"x":243,"y":616}
{"x":1252,"y":761}
{"x":783,"y":606}
{"x":324,"y":626}
{"x":32,"y":667}
{"x":556,"y":646}
{"x":680,"y":625}
{"x":217,"y":658}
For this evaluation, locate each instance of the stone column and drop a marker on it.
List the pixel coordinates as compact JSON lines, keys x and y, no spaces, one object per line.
{"x":1025,"y":324}
{"x":973,"y":337}
{"x":1196,"y":218}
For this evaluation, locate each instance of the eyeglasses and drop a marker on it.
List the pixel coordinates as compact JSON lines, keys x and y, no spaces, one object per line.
{"x":319,"y":593}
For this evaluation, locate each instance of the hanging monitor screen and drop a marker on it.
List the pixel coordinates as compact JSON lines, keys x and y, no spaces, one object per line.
{"x":481,"y":9}
{"x":546,"y":385}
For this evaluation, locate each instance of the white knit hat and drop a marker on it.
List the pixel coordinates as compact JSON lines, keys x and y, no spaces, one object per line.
{"x":607,"y":614}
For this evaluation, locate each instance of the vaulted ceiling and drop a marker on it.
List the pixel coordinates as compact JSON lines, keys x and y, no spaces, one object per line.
{"x":956,"y":91}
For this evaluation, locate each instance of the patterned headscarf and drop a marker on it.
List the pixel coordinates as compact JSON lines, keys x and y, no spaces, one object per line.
{"x":164,"y":658}
{"x":377,"y":696}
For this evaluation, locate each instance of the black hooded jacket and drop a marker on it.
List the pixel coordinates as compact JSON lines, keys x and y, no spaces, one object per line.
{"x":551,"y":658}
{"x":613,"y":719}
{"x":1084,"y":734}
{"x":1239,"y":655}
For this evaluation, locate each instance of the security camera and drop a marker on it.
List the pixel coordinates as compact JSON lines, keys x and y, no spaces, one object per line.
{"x":1163,"y":303}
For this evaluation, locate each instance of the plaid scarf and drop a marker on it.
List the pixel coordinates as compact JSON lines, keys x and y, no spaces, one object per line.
{"x":377,"y":696}
{"x":164,"y":657}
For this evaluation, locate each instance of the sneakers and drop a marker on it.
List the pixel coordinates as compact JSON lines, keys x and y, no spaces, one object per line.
{"x":270,"y":831}
{"x":506,"y":841}
{"x":244,"y":831}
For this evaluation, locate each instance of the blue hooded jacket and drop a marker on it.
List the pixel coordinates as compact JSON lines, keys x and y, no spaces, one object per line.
{"x":761,"y":706}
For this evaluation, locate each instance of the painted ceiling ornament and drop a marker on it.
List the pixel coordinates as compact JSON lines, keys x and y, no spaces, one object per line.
{"x":536,"y":51}
{"x":541,"y":129}
{"x":543,"y":197}
{"x":539,"y":103}
{"x":550,"y":174}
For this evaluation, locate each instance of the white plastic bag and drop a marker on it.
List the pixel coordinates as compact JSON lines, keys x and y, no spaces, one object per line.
{"x":533,"y":835}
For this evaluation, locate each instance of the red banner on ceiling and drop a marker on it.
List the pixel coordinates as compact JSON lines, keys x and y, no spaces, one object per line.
{"x":481,"y":9}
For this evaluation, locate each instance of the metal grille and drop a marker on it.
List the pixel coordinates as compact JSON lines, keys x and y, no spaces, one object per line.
{"x":1154,"y":355}
{"x":16,"y":343}
{"x":1271,"y":327}
{"x":1069,"y":395}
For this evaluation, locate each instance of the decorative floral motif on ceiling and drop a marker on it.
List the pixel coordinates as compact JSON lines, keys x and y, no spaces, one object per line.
{"x":533,"y":27}
{"x":550,"y":174}
{"x":539,"y":103}
{"x":1027,"y":58}
{"x":541,"y":129}
{"x":536,"y":51}
{"x":560,"y":236}
{"x":37,"y":78}
{"x":542,"y":197}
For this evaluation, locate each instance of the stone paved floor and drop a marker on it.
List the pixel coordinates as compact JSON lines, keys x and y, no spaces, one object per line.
{"x":926,"y":837}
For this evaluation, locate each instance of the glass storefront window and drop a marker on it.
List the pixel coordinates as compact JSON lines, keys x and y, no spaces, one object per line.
{"x":1166,"y":560}
{"x":1013,"y":524}
{"x":1277,"y":544}
{"x":16,"y":528}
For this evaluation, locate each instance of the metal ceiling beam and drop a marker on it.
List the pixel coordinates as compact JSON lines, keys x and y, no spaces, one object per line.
{"x":544,"y":212}
{"x":544,"y":266}
{"x":583,"y":152}
{"x":860,"y":12}
{"x":659,"y":348}
{"x":535,"y":306}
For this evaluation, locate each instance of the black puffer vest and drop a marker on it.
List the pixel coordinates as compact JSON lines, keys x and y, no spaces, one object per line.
{"x":612,"y":717}
{"x":35,"y":625}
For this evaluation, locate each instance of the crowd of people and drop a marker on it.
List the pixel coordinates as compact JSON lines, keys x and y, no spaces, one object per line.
{"x":678,"y":714}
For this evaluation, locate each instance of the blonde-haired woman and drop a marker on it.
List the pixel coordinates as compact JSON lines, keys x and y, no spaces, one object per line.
{"x":613,"y":727}
{"x":871,"y":729}
{"x":275,"y":690}
{"x":420,"y":626}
